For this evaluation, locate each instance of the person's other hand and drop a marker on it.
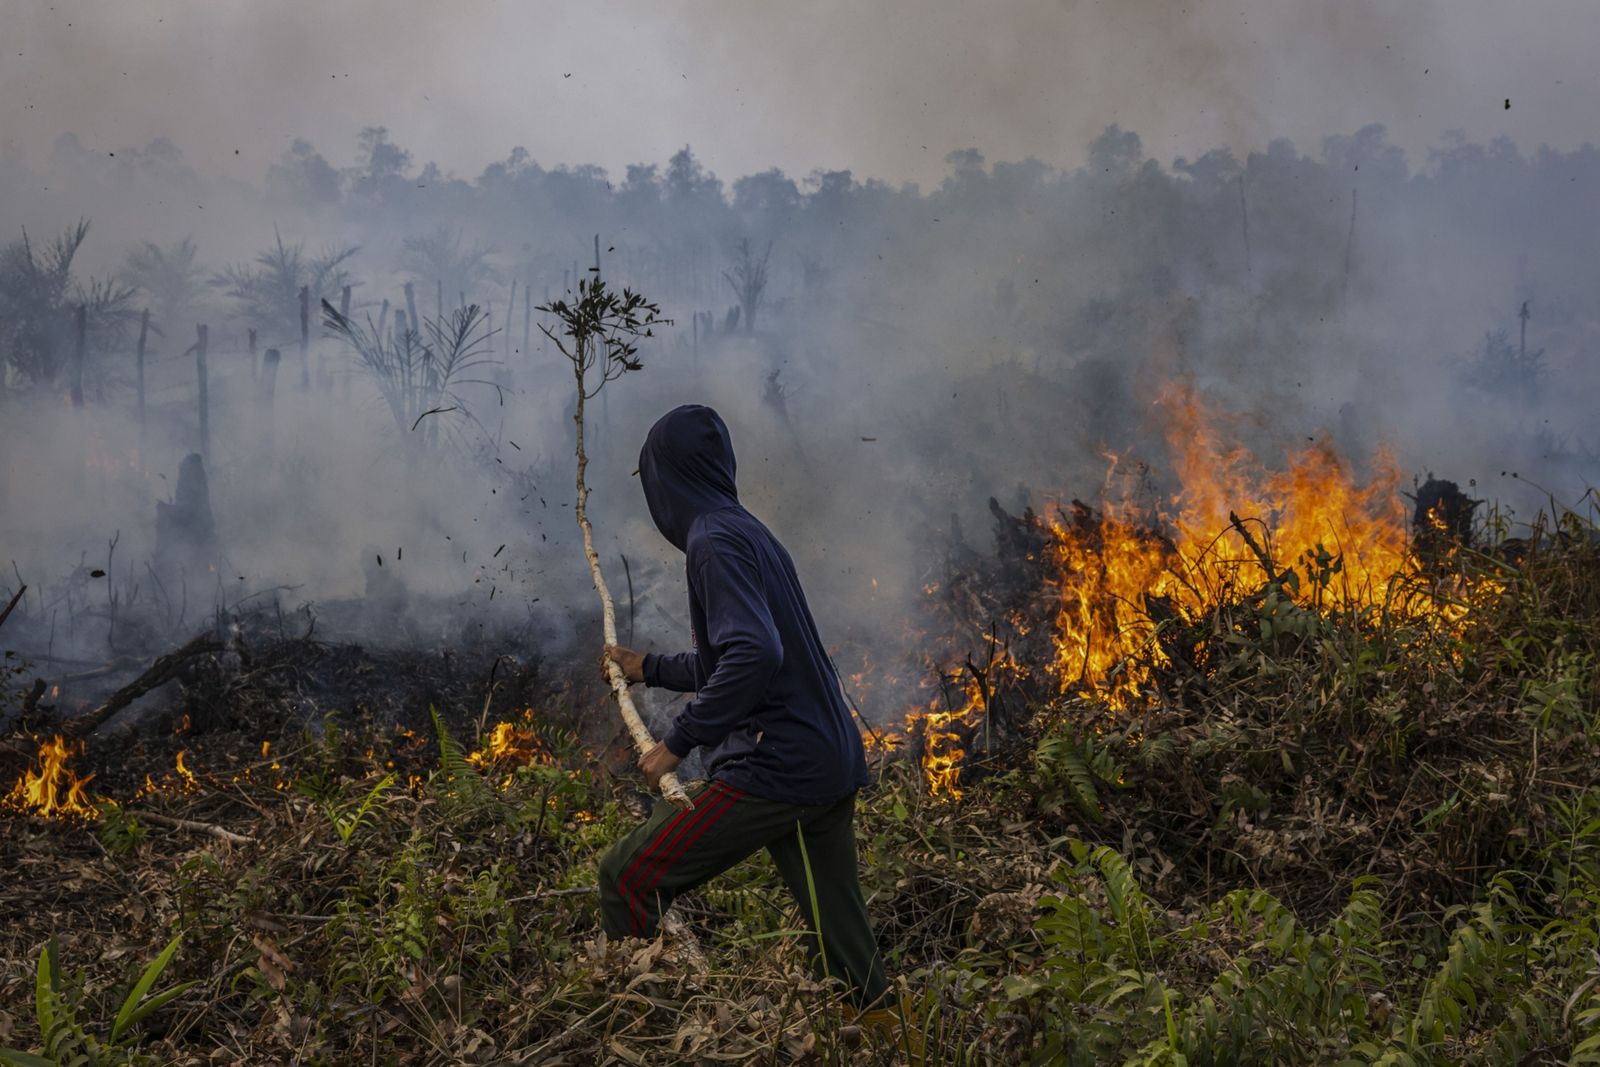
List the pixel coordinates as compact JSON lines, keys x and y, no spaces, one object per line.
{"x":655,"y":763}
{"x":631,"y":662}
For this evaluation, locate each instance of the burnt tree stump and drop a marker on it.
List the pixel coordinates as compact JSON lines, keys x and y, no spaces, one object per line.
{"x":186,"y":533}
{"x":1442,"y":518}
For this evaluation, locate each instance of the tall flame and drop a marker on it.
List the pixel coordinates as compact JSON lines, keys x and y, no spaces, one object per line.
{"x":1312,"y":515}
{"x":53,"y":789}
{"x":1112,"y":574}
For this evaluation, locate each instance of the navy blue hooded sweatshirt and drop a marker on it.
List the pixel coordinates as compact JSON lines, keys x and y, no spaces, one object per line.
{"x":768,"y":707}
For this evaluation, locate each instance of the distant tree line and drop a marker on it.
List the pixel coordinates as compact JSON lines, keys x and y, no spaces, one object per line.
{"x":1066,"y":259}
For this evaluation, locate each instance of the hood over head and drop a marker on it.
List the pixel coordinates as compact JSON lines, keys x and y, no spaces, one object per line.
{"x":686,"y":467}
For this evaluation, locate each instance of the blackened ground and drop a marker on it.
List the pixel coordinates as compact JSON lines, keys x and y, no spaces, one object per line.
{"x":274,"y":679}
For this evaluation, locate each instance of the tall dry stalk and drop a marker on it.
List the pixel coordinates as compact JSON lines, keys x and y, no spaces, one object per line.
{"x":599,"y":334}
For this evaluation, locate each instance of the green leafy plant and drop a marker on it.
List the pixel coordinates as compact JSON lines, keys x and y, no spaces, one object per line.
{"x":119,"y":830}
{"x":458,"y":784}
{"x":65,"y":1041}
{"x":1074,"y":768}
{"x":348,"y":820}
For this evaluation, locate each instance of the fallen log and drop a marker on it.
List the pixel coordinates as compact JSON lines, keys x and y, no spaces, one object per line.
{"x":159,"y":673}
{"x":197,"y":827}
{"x":12,"y":750}
{"x":116,"y":666}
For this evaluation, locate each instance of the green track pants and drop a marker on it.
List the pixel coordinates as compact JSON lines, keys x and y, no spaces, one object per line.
{"x":674,"y":851}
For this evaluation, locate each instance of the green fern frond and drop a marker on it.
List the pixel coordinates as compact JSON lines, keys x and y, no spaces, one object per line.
{"x":1060,"y":758}
{"x":463,"y":785}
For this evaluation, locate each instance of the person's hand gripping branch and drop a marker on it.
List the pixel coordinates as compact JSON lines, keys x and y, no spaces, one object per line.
{"x":631,"y":662}
{"x":659,"y":760}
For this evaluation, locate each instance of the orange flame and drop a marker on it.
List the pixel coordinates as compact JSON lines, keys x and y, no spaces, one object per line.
{"x":1336,"y":543}
{"x":186,"y":779}
{"x":53,"y":789}
{"x":1347,"y":542}
{"x":942,"y":752}
{"x":510,"y":744}
{"x":944,"y":722}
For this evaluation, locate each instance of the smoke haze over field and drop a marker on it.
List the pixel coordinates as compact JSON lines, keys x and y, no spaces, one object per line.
{"x":1260,"y":200}
{"x":884,"y":89}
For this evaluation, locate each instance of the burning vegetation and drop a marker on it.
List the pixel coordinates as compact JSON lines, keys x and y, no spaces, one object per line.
{"x":51,"y":788}
{"x":1214,"y":745}
{"x":1237,"y":759}
{"x":1117,"y":604}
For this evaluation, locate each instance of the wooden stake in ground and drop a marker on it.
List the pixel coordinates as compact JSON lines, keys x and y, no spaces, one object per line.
{"x":599,"y":332}
{"x":80,"y":348}
{"x":266,"y":393}
{"x":527,"y":317}
{"x":305,"y":337}
{"x":144,"y":332}
{"x":348,"y":372}
{"x":511,"y":307}
{"x":204,"y":391}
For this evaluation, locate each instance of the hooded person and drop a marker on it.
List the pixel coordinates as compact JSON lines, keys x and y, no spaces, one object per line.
{"x":783,"y":756}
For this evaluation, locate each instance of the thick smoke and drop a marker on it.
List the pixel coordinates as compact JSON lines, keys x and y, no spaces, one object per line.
{"x":913,"y":353}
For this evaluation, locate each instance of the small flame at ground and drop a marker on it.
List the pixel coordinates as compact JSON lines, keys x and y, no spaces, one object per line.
{"x":513,"y":744}
{"x":187,"y":781}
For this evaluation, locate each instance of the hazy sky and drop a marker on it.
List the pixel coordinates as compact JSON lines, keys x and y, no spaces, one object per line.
{"x":884,"y":87}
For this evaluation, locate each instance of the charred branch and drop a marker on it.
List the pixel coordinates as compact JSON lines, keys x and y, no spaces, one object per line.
{"x":163,"y":670}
